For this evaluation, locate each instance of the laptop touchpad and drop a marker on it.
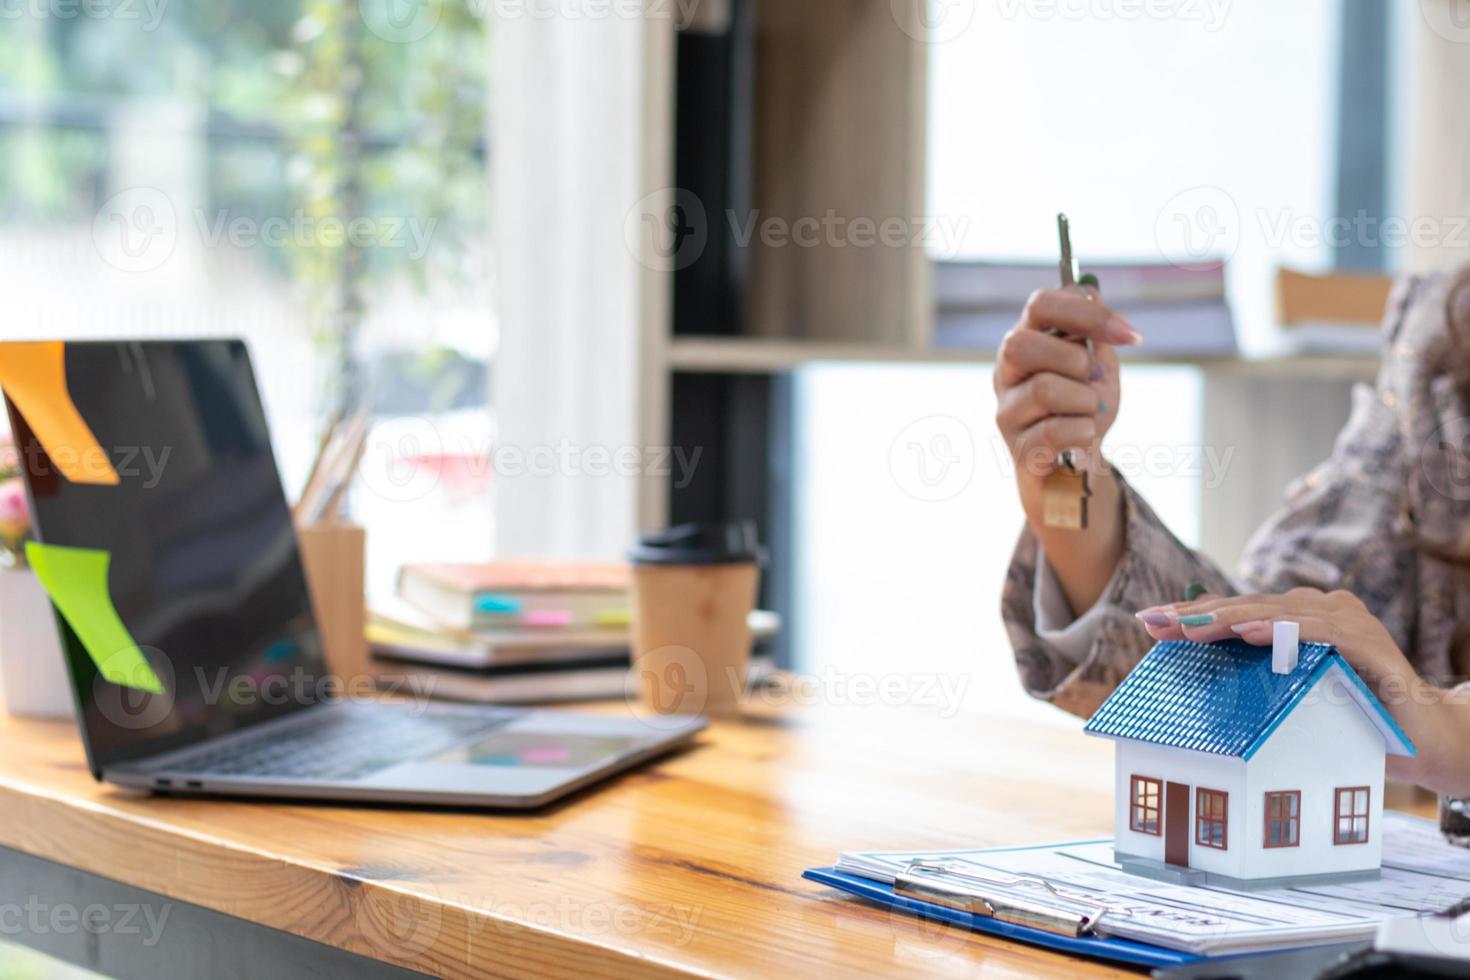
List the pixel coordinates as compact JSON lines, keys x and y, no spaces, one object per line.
{"x":547,"y":750}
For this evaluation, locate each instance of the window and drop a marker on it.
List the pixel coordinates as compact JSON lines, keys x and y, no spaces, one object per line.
{"x":1111,"y":66}
{"x":1283,"y":818}
{"x":1209,"y":818}
{"x":297,"y":174}
{"x":1145,"y":802}
{"x":1350,"y":816}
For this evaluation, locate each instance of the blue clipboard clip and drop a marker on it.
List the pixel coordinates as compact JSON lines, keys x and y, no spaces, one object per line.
{"x":1061,"y":912}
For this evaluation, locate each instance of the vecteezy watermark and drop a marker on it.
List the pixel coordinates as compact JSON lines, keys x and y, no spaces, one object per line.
{"x":1197,"y":226}
{"x":149,"y":13}
{"x":1205,"y":224}
{"x":669,"y":230}
{"x":932,"y":458}
{"x":402,"y":461}
{"x":139,"y":230}
{"x":1208,"y":464}
{"x":127,"y":461}
{"x":304,"y":230}
{"x":1287,"y":227}
{"x":136,"y":230}
{"x":936,"y":234}
{"x":1450,"y":19}
{"x":671,"y":683}
{"x":35,"y":917}
{"x":407,"y":21}
{"x":1209,"y":14}
{"x":1444,"y":458}
{"x":856,"y":689}
{"x":933,"y":21}
{"x":674,"y":922}
{"x":276,"y":685}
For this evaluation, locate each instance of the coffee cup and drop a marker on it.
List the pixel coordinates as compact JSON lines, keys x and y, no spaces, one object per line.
{"x":694,"y":587}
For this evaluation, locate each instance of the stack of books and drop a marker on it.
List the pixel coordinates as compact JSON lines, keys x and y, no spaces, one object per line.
{"x":1181,"y":309}
{"x":513,"y":631}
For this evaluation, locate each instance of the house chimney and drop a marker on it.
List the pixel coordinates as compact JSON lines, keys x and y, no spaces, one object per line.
{"x":1284,"y":637}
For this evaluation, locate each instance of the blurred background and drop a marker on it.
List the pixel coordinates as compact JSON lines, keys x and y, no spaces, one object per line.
{"x":764,"y":249}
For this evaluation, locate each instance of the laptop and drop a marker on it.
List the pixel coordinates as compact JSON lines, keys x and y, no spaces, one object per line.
{"x":166,"y":544}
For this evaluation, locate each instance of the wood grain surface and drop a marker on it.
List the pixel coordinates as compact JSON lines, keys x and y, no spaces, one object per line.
{"x":689,"y":866}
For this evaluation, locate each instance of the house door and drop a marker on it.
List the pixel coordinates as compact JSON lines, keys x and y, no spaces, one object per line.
{"x":1176,"y":824}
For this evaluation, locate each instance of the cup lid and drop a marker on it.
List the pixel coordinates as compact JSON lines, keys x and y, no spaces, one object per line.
{"x":727,"y":543}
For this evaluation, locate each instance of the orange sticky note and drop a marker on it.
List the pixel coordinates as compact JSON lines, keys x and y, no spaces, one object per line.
{"x":33,"y":374}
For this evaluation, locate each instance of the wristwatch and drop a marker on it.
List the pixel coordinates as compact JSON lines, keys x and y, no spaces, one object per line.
{"x":1454,"y":820}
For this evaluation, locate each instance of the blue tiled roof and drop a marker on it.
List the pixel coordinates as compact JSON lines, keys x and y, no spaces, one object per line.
{"x":1223,"y":697}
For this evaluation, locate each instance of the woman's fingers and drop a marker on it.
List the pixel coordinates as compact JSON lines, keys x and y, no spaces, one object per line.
{"x":1025,"y":352}
{"x":1038,"y":445}
{"x":1077,"y":314}
{"x":1208,"y":619}
{"x":1042,"y":395}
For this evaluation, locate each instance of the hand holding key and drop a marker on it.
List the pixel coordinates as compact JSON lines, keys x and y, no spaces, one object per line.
{"x":1056,"y":380}
{"x":1054,"y":395}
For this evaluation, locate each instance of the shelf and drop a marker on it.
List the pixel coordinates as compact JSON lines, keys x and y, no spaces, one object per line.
{"x":751,"y":355}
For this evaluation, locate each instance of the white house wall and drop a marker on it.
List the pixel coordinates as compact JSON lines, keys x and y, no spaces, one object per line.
{"x":1323,"y":744}
{"x":1197,"y":770}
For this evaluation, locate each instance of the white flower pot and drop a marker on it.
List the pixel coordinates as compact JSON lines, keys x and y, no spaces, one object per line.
{"x":33,"y":674}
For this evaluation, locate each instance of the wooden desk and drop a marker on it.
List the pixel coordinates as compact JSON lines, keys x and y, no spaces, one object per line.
{"x":689,"y":866}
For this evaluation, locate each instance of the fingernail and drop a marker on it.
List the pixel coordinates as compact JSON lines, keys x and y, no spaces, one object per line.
{"x":1244,"y":628}
{"x":1198,"y":619}
{"x":1096,"y":374}
{"x":1089,"y":281}
{"x":1195,"y":590}
{"x":1151,"y":618}
{"x":1102,"y":407}
{"x":1120,"y":331}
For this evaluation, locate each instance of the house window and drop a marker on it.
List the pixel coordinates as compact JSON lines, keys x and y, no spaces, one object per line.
{"x":1209,"y":818}
{"x":1350,"y":816}
{"x":1283,"y":818}
{"x":1145,"y":802}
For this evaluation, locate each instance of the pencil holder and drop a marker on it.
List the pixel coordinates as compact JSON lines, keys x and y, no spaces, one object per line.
{"x":334,"y":556}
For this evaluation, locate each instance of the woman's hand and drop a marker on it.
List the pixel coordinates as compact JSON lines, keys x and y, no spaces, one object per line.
{"x":1435,"y":719}
{"x":1052,"y":395}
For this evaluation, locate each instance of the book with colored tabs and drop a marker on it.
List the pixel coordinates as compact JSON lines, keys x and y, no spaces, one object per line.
{"x":399,"y":630}
{"x":519,"y":594}
{"x":1075,"y":898}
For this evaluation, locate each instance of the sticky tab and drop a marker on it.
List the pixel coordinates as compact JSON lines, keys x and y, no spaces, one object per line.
{"x":490,"y":602}
{"x":548,"y":617}
{"x":613,"y":617}
{"x":33,"y":374}
{"x":76,"y":581}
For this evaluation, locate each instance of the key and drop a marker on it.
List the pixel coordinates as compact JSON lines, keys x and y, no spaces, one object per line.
{"x":1064,"y":495}
{"x":1064,"y":492}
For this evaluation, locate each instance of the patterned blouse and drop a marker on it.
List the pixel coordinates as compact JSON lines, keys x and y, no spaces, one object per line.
{"x":1387,"y":517}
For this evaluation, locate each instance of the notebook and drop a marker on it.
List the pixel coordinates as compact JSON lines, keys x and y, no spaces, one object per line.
{"x":1145,"y":922}
{"x":533,"y":594}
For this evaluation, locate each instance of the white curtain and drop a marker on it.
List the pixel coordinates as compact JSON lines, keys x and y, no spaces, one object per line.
{"x":1441,"y":132}
{"x":578,"y":137}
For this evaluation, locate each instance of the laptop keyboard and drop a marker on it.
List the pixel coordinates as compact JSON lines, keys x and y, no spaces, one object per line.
{"x":343,"y":745}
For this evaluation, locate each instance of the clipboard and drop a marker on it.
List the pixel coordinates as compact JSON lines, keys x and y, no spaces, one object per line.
{"x":1052,"y":925}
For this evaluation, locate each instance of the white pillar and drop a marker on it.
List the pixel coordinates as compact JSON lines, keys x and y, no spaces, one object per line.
{"x":1441,"y":131}
{"x":580,"y":111}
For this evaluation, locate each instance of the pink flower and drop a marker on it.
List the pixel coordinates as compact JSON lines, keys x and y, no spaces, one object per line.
{"x":15,"y":518}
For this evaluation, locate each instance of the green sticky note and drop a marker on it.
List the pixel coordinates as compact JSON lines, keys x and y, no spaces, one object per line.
{"x":76,"y":581}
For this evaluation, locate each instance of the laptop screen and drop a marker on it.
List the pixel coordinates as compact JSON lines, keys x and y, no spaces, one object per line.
{"x":163,"y":538}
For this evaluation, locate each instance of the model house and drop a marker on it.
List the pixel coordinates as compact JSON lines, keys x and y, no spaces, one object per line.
{"x":1242,"y":765}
